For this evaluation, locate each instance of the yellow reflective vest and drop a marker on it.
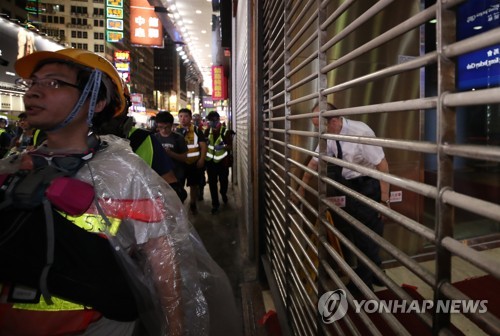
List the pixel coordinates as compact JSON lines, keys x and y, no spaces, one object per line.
{"x":193,"y":146}
{"x":145,"y":149}
{"x":216,"y":152}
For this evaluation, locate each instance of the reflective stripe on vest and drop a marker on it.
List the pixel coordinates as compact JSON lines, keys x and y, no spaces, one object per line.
{"x":216,"y":154}
{"x":35,"y":137}
{"x":90,"y":223}
{"x":59,"y":304}
{"x":192,"y":144}
{"x":95,"y":223}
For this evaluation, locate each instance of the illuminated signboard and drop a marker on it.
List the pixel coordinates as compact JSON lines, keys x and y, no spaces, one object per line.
{"x":122,"y":66}
{"x":122,"y":55}
{"x":136,"y":98}
{"x":125,"y":76}
{"x":114,"y":20}
{"x":114,"y":3}
{"x":18,"y":42}
{"x":115,"y":13}
{"x":114,"y":36}
{"x":145,"y":27}
{"x":219,"y":89}
{"x":207,"y":102}
{"x":113,"y":24}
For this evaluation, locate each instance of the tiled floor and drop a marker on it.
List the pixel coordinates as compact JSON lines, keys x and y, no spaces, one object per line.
{"x":461,"y":270}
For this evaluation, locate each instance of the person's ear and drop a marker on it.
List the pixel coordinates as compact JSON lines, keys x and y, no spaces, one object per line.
{"x":101,"y":104}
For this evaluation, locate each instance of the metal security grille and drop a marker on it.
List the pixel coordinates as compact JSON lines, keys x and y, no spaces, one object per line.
{"x":393,"y":65}
{"x":241,"y":107}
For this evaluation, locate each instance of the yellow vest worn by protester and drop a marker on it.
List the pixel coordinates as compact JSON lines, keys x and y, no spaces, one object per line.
{"x":36,"y":138}
{"x":145,"y":149}
{"x":216,"y":152}
{"x":192,"y":144}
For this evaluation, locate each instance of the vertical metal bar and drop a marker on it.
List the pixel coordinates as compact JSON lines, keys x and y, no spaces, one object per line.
{"x":322,"y":83}
{"x":288,"y":247}
{"x":445,"y":35}
{"x":272,"y":248}
{"x":270,"y":83}
{"x":260,"y":201}
{"x":256,"y":122}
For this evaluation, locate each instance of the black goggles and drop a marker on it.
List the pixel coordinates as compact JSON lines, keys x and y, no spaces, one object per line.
{"x":64,"y":163}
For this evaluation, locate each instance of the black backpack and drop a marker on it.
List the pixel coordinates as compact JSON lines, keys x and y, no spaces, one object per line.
{"x":41,"y":249}
{"x":85,"y":268}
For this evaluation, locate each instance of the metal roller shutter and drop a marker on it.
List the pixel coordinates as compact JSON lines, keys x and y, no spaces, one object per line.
{"x":388,"y":64}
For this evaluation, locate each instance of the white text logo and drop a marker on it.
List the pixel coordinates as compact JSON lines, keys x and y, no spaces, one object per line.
{"x":332,"y":306}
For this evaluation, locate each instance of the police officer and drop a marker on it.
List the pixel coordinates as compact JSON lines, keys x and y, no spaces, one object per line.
{"x":218,"y":160}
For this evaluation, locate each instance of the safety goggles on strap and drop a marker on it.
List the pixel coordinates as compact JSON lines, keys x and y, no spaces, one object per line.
{"x":64,"y":163}
{"x":67,"y":163}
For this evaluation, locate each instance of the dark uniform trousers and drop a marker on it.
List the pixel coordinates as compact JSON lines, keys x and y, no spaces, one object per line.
{"x":217,"y":173}
{"x":369,"y":187}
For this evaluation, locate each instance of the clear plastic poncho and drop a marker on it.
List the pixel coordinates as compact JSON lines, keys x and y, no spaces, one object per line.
{"x":189,"y":292}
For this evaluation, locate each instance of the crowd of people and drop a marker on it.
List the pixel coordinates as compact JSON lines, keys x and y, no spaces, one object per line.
{"x":198,"y":150}
{"x":15,"y":139}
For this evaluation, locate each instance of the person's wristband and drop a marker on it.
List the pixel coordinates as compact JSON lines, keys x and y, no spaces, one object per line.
{"x":387,"y":202}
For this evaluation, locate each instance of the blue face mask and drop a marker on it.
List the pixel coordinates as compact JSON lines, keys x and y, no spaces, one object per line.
{"x":214,"y":123}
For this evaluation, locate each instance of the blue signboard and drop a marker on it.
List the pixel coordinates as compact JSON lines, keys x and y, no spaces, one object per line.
{"x":481,"y":68}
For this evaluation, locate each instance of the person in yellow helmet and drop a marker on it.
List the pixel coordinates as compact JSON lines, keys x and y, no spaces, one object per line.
{"x":93,"y":241}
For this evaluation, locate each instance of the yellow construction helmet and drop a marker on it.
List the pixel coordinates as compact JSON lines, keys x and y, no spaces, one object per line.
{"x":26,"y":65}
